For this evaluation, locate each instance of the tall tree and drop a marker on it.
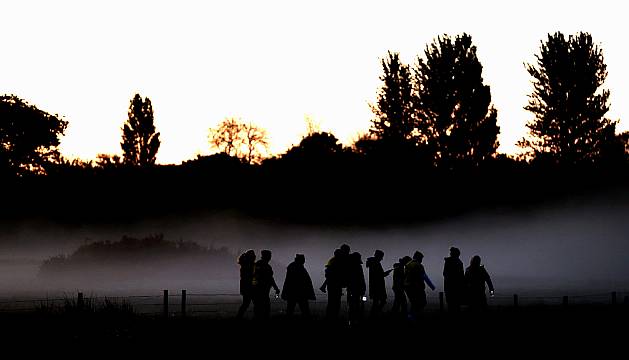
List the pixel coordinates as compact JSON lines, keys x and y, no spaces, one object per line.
{"x":29,"y":137}
{"x":140,"y":142}
{"x":394,"y":121}
{"x":455,"y":115}
{"x":568,"y":103}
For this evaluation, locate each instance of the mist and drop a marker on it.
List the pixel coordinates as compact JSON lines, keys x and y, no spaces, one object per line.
{"x":578,"y":247}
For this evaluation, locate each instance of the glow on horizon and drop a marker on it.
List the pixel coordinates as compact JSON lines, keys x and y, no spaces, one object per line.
{"x":271,"y":62}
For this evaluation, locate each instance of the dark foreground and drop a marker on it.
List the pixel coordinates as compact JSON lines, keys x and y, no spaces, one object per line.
{"x":500,"y":332}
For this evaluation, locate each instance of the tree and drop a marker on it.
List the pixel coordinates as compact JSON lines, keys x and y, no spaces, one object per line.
{"x":29,"y":137}
{"x":226,"y":137}
{"x":455,"y":117}
{"x":247,"y":142}
{"x":569,"y":106}
{"x":255,"y":142}
{"x":394,"y":121}
{"x":140,"y":142}
{"x":316,"y":147}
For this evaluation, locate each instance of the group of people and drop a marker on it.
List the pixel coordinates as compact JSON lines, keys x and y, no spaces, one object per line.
{"x":344,"y":271}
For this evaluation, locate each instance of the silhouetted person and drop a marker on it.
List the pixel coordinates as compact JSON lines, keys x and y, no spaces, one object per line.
{"x":414,"y":278}
{"x":399,"y":296}
{"x":263,"y":281}
{"x":475,"y":277}
{"x":356,"y":287}
{"x":297,"y":289}
{"x":332,"y":285}
{"x":247,"y":262}
{"x":336,"y":280}
{"x":454,"y":280}
{"x":377,"y":288}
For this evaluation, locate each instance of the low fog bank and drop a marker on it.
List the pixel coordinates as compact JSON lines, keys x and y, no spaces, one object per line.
{"x":580,"y":247}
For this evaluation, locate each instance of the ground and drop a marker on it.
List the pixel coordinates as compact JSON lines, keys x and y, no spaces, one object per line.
{"x":531,"y":331}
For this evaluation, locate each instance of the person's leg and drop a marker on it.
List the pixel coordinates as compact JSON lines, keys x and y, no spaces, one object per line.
{"x":304,"y":307}
{"x":246,"y":301}
{"x":422,"y":300}
{"x":395,"y":308}
{"x":266,"y":306}
{"x":334,"y":302}
{"x":403,"y":304}
{"x":290,"y":307}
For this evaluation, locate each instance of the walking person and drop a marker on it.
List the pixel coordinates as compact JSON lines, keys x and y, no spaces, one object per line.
{"x":356,"y":288}
{"x":377,"y":288}
{"x":332,"y":285}
{"x":297,"y":289}
{"x":247,"y":262}
{"x":453,"y":280}
{"x":336,"y":280}
{"x":476,"y":276}
{"x":399,"y":296}
{"x":262,"y":282}
{"x":415,"y":281}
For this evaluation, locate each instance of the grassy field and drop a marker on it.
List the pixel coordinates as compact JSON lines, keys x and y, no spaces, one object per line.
{"x":532,"y":330}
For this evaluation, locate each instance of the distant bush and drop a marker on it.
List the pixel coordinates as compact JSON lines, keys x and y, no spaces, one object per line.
{"x":137,"y":253}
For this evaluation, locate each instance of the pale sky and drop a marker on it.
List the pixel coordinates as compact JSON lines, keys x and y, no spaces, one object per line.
{"x":270,"y":62}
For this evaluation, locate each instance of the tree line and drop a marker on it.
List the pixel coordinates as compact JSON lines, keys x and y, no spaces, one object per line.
{"x":430,"y":118}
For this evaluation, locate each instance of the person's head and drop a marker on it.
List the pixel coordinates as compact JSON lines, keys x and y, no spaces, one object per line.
{"x":345,"y":249}
{"x":251,"y":254}
{"x":418,"y":256}
{"x":265,"y":255}
{"x":356,"y":258}
{"x":455,"y":252}
{"x":300,"y":259}
{"x":379,"y":255}
{"x":475,"y":261}
{"x":338,"y":253}
{"x":405,"y":260}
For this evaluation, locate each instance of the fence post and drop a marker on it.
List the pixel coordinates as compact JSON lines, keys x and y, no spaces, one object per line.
{"x":441,"y":305}
{"x":565,"y":301}
{"x":79,"y":301}
{"x":515,"y":300}
{"x":166,"y":304}
{"x":613,"y":298}
{"x":183,"y":303}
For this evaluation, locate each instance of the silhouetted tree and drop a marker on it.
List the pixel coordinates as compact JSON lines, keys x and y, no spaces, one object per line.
{"x":394,"y":121}
{"x":316,"y":147}
{"x":455,"y":116}
{"x":226,"y":137}
{"x":29,"y":137}
{"x":568,"y":103}
{"x":140,"y":142}
{"x":256,"y":143}
{"x":247,"y":142}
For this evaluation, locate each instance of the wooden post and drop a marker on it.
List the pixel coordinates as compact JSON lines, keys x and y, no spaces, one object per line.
{"x":613,"y":298}
{"x":565,"y":301}
{"x":166,"y":304}
{"x":441,"y":304}
{"x":515,"y":300}
{"x":79,"y":301}
{"x":183,"y":303}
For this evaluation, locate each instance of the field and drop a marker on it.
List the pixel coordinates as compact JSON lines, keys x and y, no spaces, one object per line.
{"x":526,"y":330}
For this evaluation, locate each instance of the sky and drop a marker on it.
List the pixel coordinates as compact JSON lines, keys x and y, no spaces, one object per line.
{"x":272,"y":63}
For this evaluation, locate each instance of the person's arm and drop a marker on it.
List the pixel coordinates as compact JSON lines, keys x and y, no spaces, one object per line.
{"x":430,"y":284}
{"x":386,"y":273}
{"x":488,"y":280}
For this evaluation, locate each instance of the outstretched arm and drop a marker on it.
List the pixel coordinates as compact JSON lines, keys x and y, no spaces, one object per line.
{"x":430,"y":284}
